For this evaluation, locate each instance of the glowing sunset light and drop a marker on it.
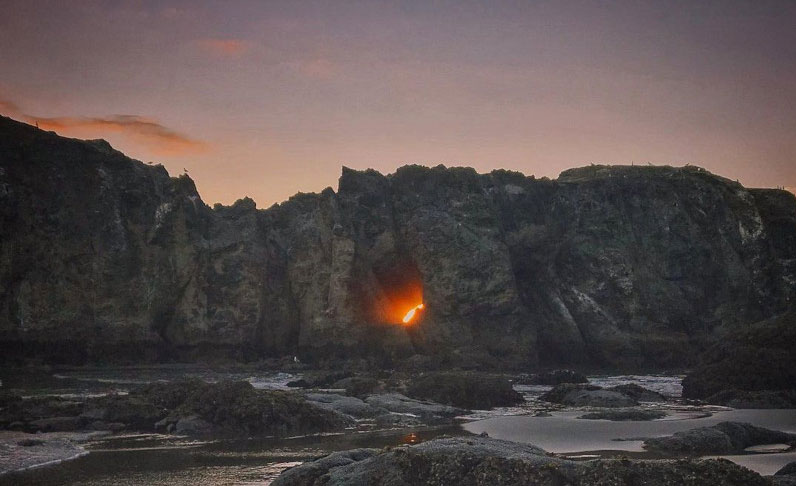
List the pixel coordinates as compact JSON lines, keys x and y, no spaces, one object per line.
{"x":411,"y":314}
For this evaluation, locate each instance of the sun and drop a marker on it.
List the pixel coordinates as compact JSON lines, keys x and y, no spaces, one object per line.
{"x":411,"y":314}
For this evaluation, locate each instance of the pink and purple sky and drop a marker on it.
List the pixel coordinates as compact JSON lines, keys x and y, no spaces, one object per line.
{"x":266,"y":99}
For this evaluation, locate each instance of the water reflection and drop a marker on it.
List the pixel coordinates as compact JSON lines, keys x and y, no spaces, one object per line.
{"x":137,"y":460}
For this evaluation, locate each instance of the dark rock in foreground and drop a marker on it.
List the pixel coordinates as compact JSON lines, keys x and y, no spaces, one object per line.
{"x":483,"y":461}
{"x":785,"y":476}
{"x":722,"y":438}
{"x":465,"y":389}
{"x":621,"y":415}
{"x":555,"y":377}
{"x":310,"y":473}
{"x":577,"y":395}
{"x":787,"y":470}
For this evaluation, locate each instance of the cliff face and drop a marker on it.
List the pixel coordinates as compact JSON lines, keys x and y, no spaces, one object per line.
{"x":103,"y":257}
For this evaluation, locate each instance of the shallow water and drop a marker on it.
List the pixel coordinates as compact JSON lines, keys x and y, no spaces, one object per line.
{"x":148,"y":459}
{"x":93,"y":382}
{"x":565,"y":433}
{"x":166,"y":460}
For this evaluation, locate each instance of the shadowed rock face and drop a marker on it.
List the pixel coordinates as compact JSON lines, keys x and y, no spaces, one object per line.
{"x":103,"y":257}
{"x":751,"y":367}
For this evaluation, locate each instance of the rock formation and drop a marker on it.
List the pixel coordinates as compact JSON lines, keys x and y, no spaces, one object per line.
{"x":107,"y":258}
{"x":476,"y":461}
{"x":751,"y":367}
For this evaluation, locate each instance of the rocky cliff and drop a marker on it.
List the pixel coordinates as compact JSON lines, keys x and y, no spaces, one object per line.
{"x":103,"y":258}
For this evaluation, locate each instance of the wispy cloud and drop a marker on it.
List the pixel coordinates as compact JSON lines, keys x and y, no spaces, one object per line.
{"x":149,"y":133}
{"x":223,"y":47}
{"x":145,"y":132}
{"x":8,"y":108}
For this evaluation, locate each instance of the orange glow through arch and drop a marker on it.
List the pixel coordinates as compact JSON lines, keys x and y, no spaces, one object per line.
{"x":411,"y":314}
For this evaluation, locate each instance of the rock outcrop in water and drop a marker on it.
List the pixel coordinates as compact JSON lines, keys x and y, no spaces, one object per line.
{"x":191,"y":407}
{"x":466,"y":390}
{"x":483,"y":461}
{"x":753,"y":367}
{"x":722,"y":438}
{"x":582,"y":395}
{"x":103,"y":258}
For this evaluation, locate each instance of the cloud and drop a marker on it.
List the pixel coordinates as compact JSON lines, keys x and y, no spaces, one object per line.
{"x":157,"y":138}
{"x":8,"y":108}
{"x":223,"y":47}
{"x":145,"y":132}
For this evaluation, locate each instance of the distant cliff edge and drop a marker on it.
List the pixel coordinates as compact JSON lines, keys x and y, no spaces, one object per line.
{"x":104,"y":258}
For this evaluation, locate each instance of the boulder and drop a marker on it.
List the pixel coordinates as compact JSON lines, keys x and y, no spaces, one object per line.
{"x":465,"y":389}
{"x":351,"y":406}
{"x":638,"y":393}
{"x":311,"y":472}
{"x":576,"y":395}
{"x":400,"y":420}
{"x":134,"y":409}
{"x":300,"y":383}
{"x":760,"y":357}
{"x":357,"y":386}
{"x":722,"y":438}
{"x":476,"y":461}
{"x":765,"y":399}
{"x":57,"y":424}
{"x":625,"y":414}
{"x":427,"y":412}
{"x":193,"y":425}
{"x":237,"y":408}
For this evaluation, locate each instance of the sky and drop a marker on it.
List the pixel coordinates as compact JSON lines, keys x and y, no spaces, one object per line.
{"x":266,"y":99}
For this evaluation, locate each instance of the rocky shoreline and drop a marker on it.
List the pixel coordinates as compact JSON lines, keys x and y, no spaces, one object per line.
{"x":335,"y":401}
